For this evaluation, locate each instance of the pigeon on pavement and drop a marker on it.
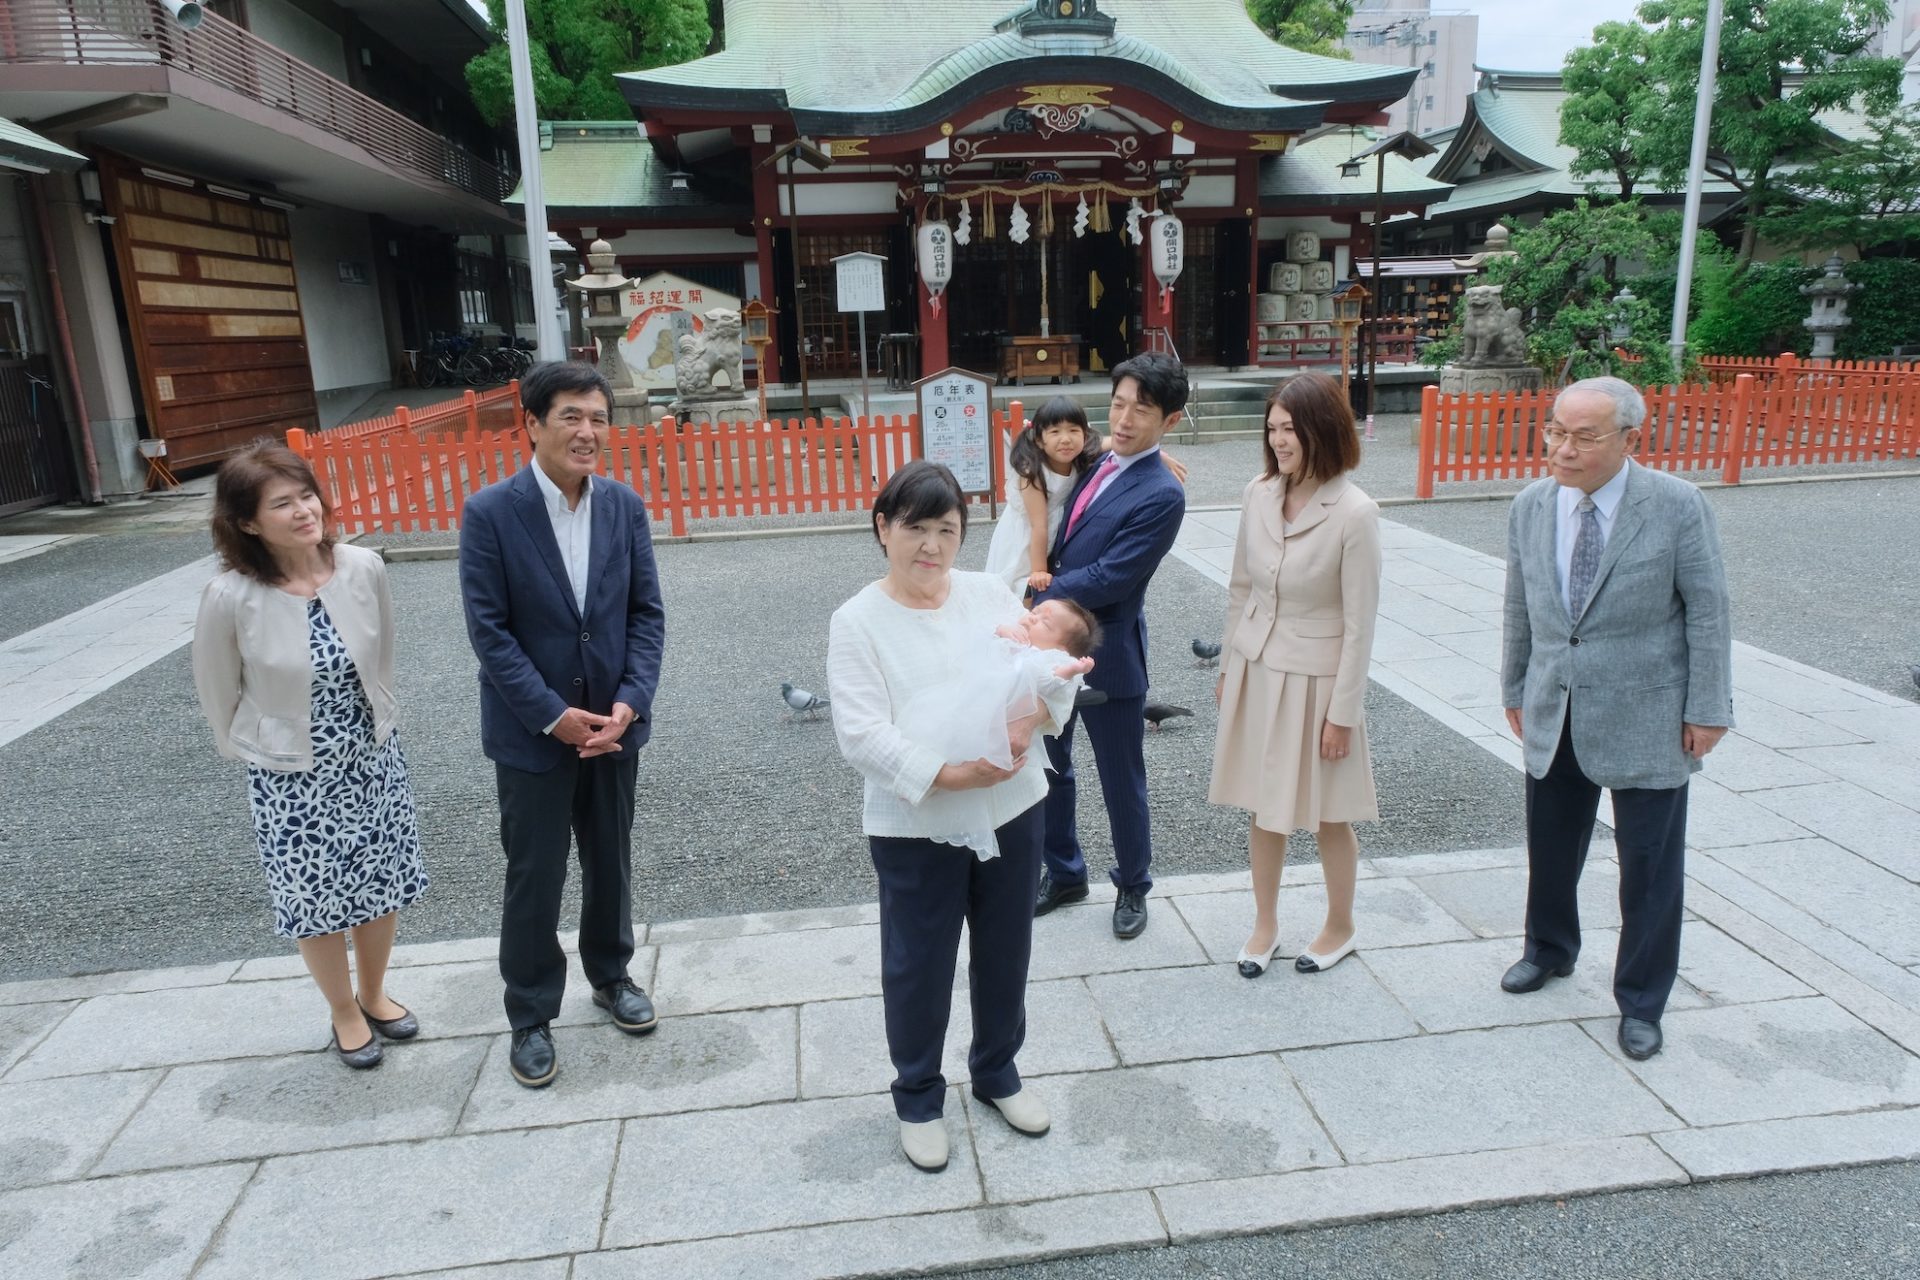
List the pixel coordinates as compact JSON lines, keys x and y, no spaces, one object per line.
{"x":1916,"y":674}
{"x":1207,"y":651}
{"x":802,"y":700}
{"x":1156,"y":712}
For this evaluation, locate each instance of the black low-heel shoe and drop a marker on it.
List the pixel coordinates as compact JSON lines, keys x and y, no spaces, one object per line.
{"x":404,"y":1027}
{"x":367,"y":1055}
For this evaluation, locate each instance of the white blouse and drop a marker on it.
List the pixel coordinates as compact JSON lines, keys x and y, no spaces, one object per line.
{"x":879,"y":653}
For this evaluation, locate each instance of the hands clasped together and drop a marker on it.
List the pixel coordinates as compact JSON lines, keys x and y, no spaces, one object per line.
{"x":592,"y":734}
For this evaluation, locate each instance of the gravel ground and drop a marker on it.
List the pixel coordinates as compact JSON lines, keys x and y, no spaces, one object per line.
{"x":38,"y":589}
{"x":1821,"y":572}
{"x":739,"y":808}
{"x":1860,"y":1223}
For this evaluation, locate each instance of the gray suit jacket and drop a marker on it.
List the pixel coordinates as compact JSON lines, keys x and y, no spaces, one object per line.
{"x":1652,"y":648}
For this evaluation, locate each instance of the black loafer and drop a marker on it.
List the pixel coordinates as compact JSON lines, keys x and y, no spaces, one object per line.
{"x":1054,"y":894}
{"x":404,"y":1027}
{"x":632,"y":1011}
{"x":1129,"y":913}
{"x":1639,"y":1039}
{"x":1527,"y":976}
{"x":367,"y":1055}
{"x":532,"y":1059}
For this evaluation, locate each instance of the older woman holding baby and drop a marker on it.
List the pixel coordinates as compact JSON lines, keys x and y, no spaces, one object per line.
{"x":899,"y":638}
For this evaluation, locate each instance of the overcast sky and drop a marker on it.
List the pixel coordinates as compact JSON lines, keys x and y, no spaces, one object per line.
{"x":1534,"y":35}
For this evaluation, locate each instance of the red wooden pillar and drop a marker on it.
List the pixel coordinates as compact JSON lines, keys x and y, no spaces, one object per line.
{"x":1246,"y":191}
{"x":933,"y":329}
{"x":766,"y":199}
{"x":1157,"y":303}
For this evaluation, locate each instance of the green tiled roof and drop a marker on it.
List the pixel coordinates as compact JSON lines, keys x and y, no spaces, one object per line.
{"x":1308,"y":174}
{"x":849,"y":64}
{"x":608,"y":164}
{"x":22,"y":147}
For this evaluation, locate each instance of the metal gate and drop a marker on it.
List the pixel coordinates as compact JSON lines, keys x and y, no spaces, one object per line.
{"x":34,"y":468}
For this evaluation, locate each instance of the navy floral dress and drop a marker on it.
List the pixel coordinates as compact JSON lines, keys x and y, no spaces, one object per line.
{"x":339,"y":842}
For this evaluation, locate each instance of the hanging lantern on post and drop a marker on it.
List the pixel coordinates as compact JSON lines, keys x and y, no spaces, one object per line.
{"x":1168,"y":236}
{"x":935,"y":251}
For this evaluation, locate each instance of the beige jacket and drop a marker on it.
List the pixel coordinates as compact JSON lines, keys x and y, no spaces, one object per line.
{"x":1304,"y":599}
{"x":252,"y":670}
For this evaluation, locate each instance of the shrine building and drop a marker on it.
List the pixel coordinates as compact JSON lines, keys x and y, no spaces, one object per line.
{"x":1049,"y":140}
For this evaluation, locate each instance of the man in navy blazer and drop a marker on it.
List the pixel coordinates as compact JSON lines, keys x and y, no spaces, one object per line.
{"x":1121,"y":521}
{"x":563,"y":608}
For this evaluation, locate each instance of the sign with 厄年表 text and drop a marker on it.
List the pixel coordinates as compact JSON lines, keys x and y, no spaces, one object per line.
{"x":956,"y":426}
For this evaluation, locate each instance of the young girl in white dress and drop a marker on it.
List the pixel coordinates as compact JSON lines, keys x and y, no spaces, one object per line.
{"x":1047,"y":457}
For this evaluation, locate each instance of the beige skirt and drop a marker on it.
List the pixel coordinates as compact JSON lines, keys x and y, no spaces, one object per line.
{"x":1266,"y":758}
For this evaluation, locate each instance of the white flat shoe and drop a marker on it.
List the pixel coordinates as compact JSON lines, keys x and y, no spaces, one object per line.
{"x":1024,"y":1112}
{"x":1254,"y":963}
{"x":925,"y":1143}
{"x":1311,"y":963}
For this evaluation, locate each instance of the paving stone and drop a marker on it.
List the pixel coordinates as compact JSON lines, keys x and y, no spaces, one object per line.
{"x":53,"y":1130}
{"x":1772,"y":725}
{"x":1464,"y":596}
{"x":1798,"y":688}
{"x":1154,"y":1126}
{"x":1472,"y":1091}
{"x":545,"y":1269}
{"x":191,"y":1024}
{"x":465,"y":999}
{"x":1853,"y":817}
{"x":1481,"y":648}
{"x":150,"y":1227}
{"x":1738,"y":763}
{"x":767,"y":969}
{"x":687,"y":1064}
{"x":1360,"y":1193}
{"x":1767,"y":1061}
{"x":1078,"y":940}
{"x":254,"y":1107}
{"x":989,"y":1237}
{"x":843,"y":1043}
{"x":448,"y":1202}
{"x":1423,"y":616}
{"x":98,"y":984}
{"x":1885,"y":772}
{"x":1455,"y":986}
{"x":1414,"y":865}
{"x":24,"y":1026}
{"x":788,"y":1164}
{"x":1838,"y":888}
{"x":1458,"y":681}
{"x":405,"y":956}
{"x":719,"y":927}
{"x":1718,"y":818}
{"x":1895,"y":725}
{"x":1727,"y":971}
{"x":1806,"y":1142}
{"x":1395,"y":643}
{"x":1221,"y":1014}
{"x":1387,"y":912}
{"x":1493,"y":903}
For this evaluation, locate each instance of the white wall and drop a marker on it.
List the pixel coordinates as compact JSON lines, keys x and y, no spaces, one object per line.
{"x":346,"y":334}
{"x":1406,"y":33}
{"x":283,"y":26}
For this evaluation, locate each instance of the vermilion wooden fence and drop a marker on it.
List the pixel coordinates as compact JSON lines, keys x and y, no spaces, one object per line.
{"x":475,"y":411}
{"x":1799,"y":414}
{"x":410,"y":481}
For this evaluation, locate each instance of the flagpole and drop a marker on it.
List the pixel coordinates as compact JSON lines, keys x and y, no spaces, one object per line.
{"x":1696,"y":178}
{"x":526,"y":116}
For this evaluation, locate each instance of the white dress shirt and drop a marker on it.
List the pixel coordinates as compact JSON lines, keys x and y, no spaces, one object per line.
{"x":572,"y":529}
{"x":1606,"y":503}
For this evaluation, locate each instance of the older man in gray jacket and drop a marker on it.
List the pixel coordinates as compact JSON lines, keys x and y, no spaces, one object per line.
{"x":1616,"y":673}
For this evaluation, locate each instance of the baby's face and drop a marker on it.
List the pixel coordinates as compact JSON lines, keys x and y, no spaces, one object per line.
{"x":1048,"y":626}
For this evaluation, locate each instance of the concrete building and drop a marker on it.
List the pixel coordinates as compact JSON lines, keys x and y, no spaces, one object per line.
{"x":277,"y":204}
{"x":1439,"y":44}
{"x":1900,"y":38}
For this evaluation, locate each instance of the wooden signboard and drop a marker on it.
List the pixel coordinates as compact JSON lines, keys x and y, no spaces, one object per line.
{"x":956,"y":427}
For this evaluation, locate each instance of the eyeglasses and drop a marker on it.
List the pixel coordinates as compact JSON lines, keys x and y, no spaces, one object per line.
{"x":1582,"y":441}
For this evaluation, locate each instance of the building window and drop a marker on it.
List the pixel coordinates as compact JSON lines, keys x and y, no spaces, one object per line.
{"x":1429,"y":105}
{"x":1433,"y":35}
{"x":475,"y":274}
{"x":1427,"y":70}
{"x":522,"y":277}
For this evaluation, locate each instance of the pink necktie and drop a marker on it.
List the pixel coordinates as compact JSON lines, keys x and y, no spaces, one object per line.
{"x":1087,"y":495}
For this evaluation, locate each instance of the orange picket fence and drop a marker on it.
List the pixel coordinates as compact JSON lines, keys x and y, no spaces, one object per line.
{"x":412,"y":481}
{"x":472,"y":412}
{"x":1799,"y":415}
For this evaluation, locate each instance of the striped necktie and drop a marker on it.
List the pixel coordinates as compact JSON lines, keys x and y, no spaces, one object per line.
{"x":1087,"y":495}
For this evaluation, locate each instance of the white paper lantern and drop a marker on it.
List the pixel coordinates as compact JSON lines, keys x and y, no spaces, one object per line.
{"x":1169,"y":239}
{"x":936,"y":259}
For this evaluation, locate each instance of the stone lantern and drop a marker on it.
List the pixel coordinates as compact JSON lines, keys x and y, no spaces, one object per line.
{"x":600,"y":291}
{"x":1830,"y":294}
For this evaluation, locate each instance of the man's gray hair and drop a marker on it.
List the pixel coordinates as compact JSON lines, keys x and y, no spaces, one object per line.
{"x":1629,"y":406}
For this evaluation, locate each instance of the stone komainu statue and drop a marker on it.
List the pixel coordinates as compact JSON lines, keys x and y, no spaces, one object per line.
{"x":1492,"y":332}
{"x":714,"y":350}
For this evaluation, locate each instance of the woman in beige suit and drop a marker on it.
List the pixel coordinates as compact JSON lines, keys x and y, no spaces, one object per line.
{"x":1292,"y":746}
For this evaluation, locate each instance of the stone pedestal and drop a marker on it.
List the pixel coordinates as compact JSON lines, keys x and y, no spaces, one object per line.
{"x":714,"y":409}
{"x":1458,"y":379}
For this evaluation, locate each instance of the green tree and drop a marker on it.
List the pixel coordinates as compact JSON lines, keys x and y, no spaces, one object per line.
{"x":1311,"y":26}
{"x":1613,"y":104}
{"x":577,"y":46}
{"x":1865,"y":194}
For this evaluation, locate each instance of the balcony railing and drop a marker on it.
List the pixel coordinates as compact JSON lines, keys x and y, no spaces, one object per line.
{"x":141,"y":33}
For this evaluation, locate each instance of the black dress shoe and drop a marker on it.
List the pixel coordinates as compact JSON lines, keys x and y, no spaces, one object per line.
{"x":632,"y":1011}
{"x":532,"y":1059}
{"x":1054,"y":894}
{"x":404,"y":1027}
{"x":367,"y":1055}
{"x":1639,"y":1039}
{"x":1129,"y":913}
{"x":1527,"y":976}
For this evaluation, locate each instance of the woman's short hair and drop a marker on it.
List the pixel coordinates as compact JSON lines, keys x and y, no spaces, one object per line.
{"x":921,"y":490}
{"x":1323,"y":423}
{"x":236,"y":501}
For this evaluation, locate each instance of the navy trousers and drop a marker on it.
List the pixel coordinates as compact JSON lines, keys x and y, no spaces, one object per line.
{"x":1650,"y":831}
{"x":541,"y":814}
{"x":926,"y":890}
{"x":1117,"y":729}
